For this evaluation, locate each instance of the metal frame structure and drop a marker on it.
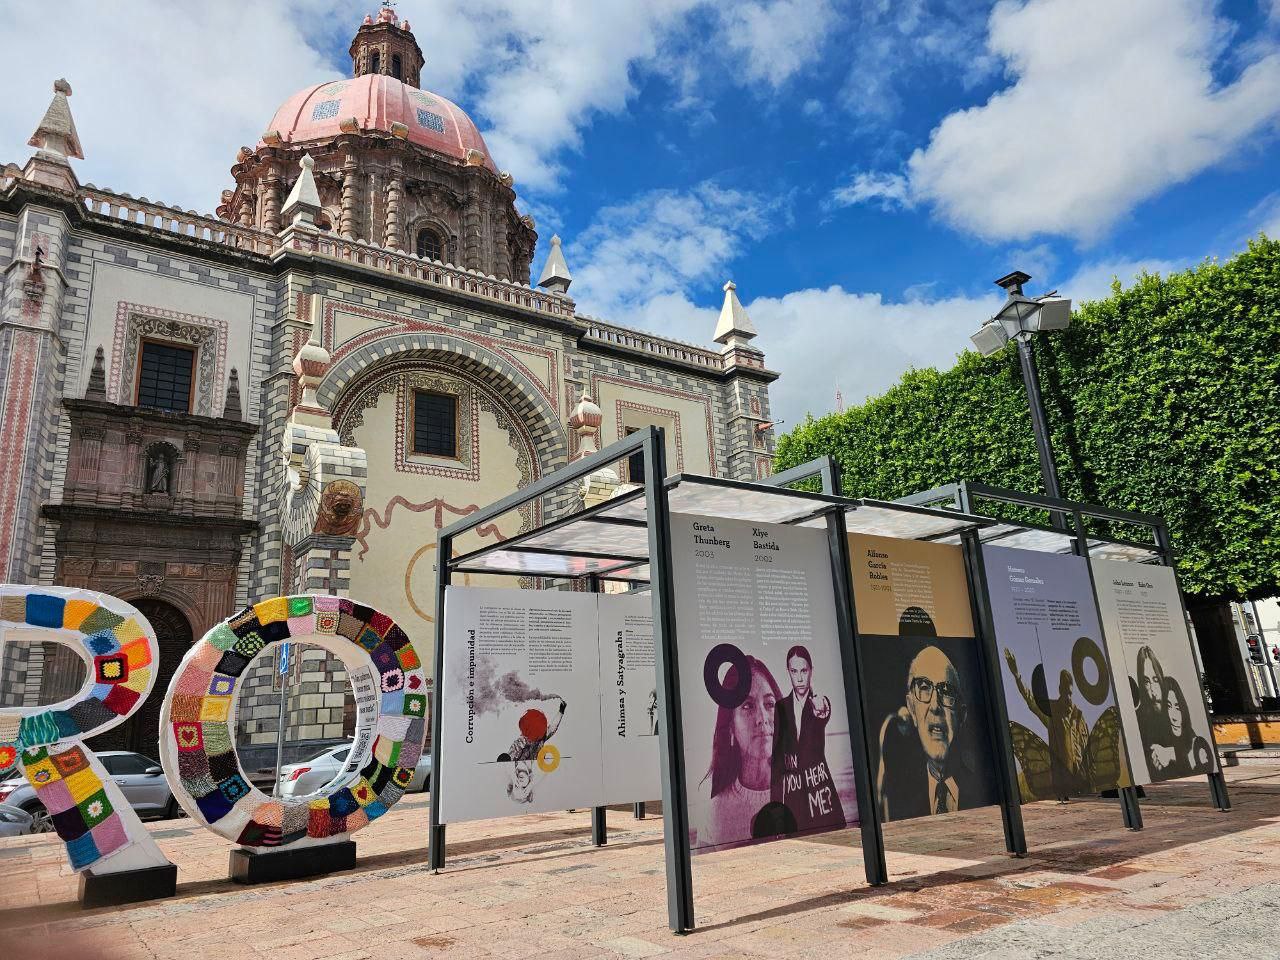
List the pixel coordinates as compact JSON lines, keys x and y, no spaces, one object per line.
{"x":1157,"y":551}
{"x":605,"y":543}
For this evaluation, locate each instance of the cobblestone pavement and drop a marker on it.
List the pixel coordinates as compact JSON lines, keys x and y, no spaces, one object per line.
{"x":1194,"y":883}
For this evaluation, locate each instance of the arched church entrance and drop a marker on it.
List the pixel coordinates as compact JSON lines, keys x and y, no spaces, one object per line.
{"x":174,"y":636}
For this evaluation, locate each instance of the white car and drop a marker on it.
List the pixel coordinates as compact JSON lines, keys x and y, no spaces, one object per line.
{"x":299,"y":779}
{"x":139,"y":778}
{"x":14,"y":821}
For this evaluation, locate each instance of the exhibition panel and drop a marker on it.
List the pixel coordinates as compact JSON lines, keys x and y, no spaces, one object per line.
{"x":934,"y":751}
{"x":1167,"y":727}
{"x":1063,"y":717}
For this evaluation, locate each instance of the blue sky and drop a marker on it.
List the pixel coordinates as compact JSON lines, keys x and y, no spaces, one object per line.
{"x":862,"y":169}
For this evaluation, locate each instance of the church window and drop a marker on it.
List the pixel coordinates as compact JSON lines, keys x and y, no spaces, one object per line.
{"x":325,"y":110}
{"x":429,"y":245}
{"x":635,"y":462}
{"x":375,"y":62}
{"x":432,"y":121}
{"x":396,"y":70}
{"x":164,"y":377}
{"x":435,"y":424}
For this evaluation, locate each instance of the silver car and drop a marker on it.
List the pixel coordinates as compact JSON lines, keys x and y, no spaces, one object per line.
{"x":299,"y":779}
{"x":14,"y":821}
{"x":139,"y":778}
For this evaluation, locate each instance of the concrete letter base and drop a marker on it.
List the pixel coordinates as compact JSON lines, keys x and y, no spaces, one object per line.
{"x":127,"y":886}
{"x":252,"y":866}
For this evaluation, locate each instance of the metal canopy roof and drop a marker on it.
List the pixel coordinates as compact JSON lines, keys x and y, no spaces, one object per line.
{"x":1051,"y":540}
{"x":611,"y":540}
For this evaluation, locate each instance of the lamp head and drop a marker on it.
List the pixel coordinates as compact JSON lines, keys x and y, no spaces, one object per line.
{"x":1012,"y":282}
{"x":990,"y":338}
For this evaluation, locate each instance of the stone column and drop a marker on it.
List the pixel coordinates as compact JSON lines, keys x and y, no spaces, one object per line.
{"x":271,"y":205}
{"x":323,"y":564}
{"x":395,"y":188}
{"x":347,"y":221}
{"x":472,"y":240}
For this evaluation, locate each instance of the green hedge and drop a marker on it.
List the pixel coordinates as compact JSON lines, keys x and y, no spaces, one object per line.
{"x":1164,"y":398}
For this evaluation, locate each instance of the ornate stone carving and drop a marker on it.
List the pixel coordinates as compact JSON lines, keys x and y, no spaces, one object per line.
{"x":150,"y":585}
{"x":340,"y":508}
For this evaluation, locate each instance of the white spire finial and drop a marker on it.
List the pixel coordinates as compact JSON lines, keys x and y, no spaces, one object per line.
{"x":734,"y":325}
{"x":56,"y":133}
{"x":555,"y":273}
{"x":304,"y":200}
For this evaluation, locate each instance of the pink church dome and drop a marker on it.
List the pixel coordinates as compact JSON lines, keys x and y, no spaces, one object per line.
{"x":377,"y":101}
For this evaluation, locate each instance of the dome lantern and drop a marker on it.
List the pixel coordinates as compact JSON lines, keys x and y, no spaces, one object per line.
{"x":384,"y":45}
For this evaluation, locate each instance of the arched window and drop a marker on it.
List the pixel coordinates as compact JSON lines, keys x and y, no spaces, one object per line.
{"x":395,"y":66}
{"x":429,"y":244}
{"x":375,"y":62}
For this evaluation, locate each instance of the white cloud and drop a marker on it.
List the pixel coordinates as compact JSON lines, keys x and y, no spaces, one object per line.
{"x":775,"y":39}
{"x":889,"y":189}
{"x":1111,"y":104}
{"x":634,"y":264}
{"x":1265,"y":216}
{"x":656,"y":263}
{"x":163,"y":95}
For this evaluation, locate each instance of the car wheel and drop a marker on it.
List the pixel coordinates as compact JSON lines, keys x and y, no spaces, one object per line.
{"x":41,"y":822}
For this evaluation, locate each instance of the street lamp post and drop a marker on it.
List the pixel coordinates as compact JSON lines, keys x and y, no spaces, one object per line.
{"x":1019,"y":319}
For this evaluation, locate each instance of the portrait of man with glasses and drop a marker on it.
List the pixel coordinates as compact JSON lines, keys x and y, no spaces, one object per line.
{"x":928,"y":761}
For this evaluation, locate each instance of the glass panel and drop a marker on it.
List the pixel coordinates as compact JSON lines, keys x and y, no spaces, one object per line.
{"x":164,"y":377}
{"x":595,"y":537}
{"x":435,"y":424}
{"x":541,"y":564}
{"x":890,"y":520}
{"x":1121,"y":551}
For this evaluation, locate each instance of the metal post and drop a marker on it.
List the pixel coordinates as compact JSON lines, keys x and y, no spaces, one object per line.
{"x":675,"y":808}
{"x":1039,"y":421}
{"x":599,"y":831}
{"x":873,"y":858}
{"x":436,"y":838}
{"x":1015,"y":837}
{"x":1217,"y":782}
{"x":1130,"y":812}
{"x":638,"y":810}
{"x":283,"y":718}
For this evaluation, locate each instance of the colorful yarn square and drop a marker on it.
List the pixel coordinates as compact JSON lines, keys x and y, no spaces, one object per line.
{"x":380,"y":623}
{"x":44,"y":610}
{"x":42,"y":773}
{"x":138,"y":654}
{"x":301,"y":606}
{"x":221,"y":637}
{"x":269,"y":611}
{"x":326,"y":622}
{"x":8,"y":756}
{"x":95,"y":808}
{"x":215,"y":708}
{"x":222,"y":686}
{"x":113,"y":668}
{"x":82,"y":784}
{"x":70,"y":761}
{"x":188,"y":736}
{"x":100,"y":619}
{"x":109,"y":836}
{"x":101,"y":643}
{"x":415,"y":705}
{"x":75,"y":612}
{"x":82,"y":851}
{"x":128,"y":631}
{"x":250,"y":644}
{"x":120,"y":699}
{"x":234,"y":788}
{"x":408,"y":659}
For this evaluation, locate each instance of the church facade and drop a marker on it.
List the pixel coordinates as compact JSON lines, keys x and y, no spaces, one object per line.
{"x":296,"y":393}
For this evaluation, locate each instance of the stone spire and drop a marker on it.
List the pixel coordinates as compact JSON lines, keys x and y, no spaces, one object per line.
{"x":231,"y":404}
{"x":555,"y":274}
{"x":310,"y":366}
{"x":304,"y":199}
{"x":585,"y":420}
{"x":97,"y":389}
{"x":56,"y":143}
{"x":734,"y":327}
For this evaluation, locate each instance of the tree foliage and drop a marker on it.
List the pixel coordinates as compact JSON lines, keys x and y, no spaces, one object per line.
{"x":1163,"y":398}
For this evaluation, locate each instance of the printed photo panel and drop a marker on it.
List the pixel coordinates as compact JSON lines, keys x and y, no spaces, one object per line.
{"x":1063,"y":716}
{"x":118,"y":646}
{"x":923,"y":686}
{"x":767,"y":748}
{"x":197,"y":723}
{"x":520,"y":697}
{"x":629,"y":716}
{"x":1166,"y":725}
